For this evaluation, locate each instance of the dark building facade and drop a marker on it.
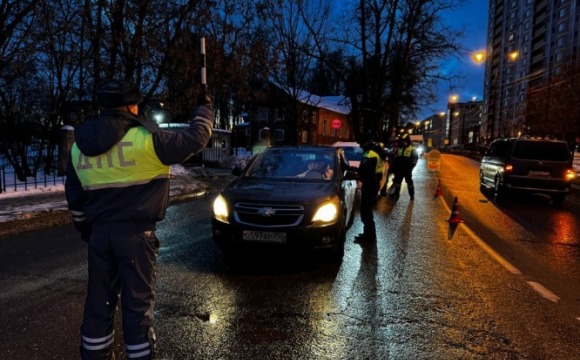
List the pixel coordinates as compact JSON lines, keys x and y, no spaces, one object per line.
{"x":528,"y":43}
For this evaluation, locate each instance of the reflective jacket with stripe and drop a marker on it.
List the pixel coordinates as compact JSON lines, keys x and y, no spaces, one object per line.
{"x":118,"y":171}
{"x":371,"y":167}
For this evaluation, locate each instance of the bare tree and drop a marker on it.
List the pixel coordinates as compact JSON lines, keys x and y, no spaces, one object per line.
{"x":393,"y":51}
{"x":16,"y":69}
{"x":384,"y":59}
{"x":296,"y":26}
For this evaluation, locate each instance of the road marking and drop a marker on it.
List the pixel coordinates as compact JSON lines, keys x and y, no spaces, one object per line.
{"x":484,"y":246}
{"x":537,"y":287}
{"x":540,"y":289}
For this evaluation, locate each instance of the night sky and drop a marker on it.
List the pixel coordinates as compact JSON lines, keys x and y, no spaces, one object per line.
{"x":472,"y":19}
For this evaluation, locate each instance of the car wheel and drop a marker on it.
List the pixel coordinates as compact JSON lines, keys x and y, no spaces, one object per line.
{"x":558,"y":200}
{"x":231,"y":255}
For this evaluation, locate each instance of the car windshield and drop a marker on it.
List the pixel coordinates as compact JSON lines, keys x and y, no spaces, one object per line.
{"x":293,"y":164}
{"x":541,"y":150}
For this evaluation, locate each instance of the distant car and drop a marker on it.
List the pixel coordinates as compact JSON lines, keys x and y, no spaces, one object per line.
{"x":527,"y":166}
{"x":289,"y":197}
{"x":353,"y":153}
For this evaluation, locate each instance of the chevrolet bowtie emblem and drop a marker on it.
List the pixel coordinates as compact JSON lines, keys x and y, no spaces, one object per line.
{"x":267,"y":211}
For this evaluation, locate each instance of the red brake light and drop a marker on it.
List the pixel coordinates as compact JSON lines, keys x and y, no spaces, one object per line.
{"x":508,"y":168}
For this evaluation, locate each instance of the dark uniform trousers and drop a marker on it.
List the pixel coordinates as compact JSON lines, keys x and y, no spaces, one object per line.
{"x":404,"y":172}
{"x":368,"y":199}
{"x":122,"y":260}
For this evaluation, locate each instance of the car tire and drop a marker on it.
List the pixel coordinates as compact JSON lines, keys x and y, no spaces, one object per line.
{"x":231,"y":256}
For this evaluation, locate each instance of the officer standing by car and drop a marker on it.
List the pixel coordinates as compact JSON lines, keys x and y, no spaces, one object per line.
{"x":370,"y":172}
{"x":117,"y":189}
{"x":404,"y":162}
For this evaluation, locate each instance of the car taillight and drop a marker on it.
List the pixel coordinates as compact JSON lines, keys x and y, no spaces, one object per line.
{"x":508,"y":168}
{"x":569,"y":175}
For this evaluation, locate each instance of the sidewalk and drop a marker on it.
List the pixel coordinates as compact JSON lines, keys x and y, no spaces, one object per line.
{"x":37,"y":210}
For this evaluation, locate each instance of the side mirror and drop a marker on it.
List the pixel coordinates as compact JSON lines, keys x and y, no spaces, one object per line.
{"x":237,"y":171}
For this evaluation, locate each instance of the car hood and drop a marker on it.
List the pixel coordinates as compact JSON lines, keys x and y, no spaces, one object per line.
{"x":279,"y":191}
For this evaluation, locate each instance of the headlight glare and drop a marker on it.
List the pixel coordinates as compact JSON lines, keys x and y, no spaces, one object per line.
{"x":220,"y":209}
{"x":326,"y":213}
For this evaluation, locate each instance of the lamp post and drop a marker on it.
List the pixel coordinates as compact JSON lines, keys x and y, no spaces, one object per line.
{"x":451,"y":112}
{"x":512,"y":57}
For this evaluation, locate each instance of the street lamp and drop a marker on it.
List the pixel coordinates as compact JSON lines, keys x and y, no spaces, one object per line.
{"x":478,"y":57}
{"x":514,"y":55}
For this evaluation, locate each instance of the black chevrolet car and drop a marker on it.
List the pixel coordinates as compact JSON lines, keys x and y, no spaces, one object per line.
{"x":288,"y":197}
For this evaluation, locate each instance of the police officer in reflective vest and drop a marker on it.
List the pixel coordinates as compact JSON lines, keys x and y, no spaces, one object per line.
{"x":370,"y":172}
{"x":117,"y":189}
{"x":404,"y":162}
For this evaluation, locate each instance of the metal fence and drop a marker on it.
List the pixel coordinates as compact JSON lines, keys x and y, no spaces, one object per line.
{"x":47,"y":175}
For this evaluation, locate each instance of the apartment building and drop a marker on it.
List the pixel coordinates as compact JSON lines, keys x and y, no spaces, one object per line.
{"x":528,"y":43}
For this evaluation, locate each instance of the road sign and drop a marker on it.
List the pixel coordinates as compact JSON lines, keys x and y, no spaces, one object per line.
{"x":336,"y":124}
{"x":434,"y":160}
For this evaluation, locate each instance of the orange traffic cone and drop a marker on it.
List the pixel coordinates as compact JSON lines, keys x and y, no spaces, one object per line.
{"x":455,"y":218}
{"x":438,"y":190}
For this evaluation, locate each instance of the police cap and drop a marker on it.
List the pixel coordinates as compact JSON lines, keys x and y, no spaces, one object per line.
{"x":115,"y":93}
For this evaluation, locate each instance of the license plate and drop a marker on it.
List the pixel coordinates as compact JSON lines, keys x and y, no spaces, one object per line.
{"x":265,"y":236}
{"x":539,"y":173}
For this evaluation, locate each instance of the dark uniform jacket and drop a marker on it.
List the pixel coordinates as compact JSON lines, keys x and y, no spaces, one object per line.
{"x":405,"y":158}
{"x":370,"y":169}
{"x":109,"y":182}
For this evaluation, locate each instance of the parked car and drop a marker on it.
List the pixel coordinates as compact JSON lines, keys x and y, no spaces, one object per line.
{"x":353,"y":153}
{"x":527,"y":166}
{"x":288,"y":197}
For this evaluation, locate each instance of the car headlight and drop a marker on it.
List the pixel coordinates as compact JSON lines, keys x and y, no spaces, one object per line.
{"x":326,"y":213}
{"x":220,"y":209}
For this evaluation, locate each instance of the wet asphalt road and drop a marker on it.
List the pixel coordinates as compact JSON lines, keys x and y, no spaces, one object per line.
{"x":421,"y":292}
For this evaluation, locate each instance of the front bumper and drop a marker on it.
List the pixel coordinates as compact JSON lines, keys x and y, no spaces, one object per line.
{"x":327,"y":237}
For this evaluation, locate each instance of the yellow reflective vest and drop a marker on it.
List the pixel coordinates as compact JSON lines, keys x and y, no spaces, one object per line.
{"x":380,"y":162}
{"x":132,"y":161}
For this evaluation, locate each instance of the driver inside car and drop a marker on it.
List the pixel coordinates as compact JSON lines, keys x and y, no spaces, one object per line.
{"x":317,"y":169}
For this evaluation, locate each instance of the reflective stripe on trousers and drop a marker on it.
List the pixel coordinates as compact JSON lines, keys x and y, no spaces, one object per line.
{"x":120,"y":262}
